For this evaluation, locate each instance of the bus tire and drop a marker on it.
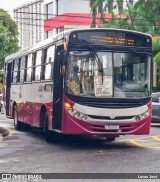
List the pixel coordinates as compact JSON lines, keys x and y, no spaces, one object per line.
{"x":110,"y":139}
{"x":17,"y":124}
{"x":50,"y":136}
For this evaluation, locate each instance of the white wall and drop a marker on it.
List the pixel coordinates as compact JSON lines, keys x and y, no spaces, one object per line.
{"x":54,"y":5}
{"x":73,"y":6}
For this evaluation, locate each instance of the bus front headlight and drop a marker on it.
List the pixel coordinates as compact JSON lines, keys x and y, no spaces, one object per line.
{"x":76,"y":114}
{"x":143,"y":115}
{"x":84,"y":117}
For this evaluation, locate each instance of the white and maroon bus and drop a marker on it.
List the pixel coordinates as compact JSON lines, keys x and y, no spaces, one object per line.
{"x":87,"y":82}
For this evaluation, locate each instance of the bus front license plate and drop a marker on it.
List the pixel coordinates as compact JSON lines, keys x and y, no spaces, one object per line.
{"x":111,"y":127}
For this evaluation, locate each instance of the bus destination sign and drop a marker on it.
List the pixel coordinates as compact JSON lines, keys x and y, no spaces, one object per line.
{"x":112,"y":40}
{"x":110,"y":37}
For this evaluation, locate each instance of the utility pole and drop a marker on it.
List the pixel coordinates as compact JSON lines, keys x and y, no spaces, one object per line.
{"x":94,"y":12}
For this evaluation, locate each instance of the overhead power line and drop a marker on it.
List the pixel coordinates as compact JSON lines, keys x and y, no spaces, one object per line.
{"x":69,"y":21}
{"x":32,"y":24}
{"x":98,"y":18}
{"x":74,"y":16}
{"x":42,"y":25}
{"x":44,"y":14}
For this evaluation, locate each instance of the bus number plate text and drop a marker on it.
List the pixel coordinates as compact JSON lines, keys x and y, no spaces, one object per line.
{"x":111,"y":127}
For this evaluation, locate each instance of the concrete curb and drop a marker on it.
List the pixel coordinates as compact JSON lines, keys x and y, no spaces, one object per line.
{"x":4,"y":132}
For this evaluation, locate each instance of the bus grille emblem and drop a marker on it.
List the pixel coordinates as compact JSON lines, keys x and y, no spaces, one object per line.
{"x":112,"y":116}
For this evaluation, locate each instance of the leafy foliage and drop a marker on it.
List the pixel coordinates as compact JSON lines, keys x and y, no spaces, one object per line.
{"x":8,"y":36}
{"x":144,"y":16}
{"x":156,"y":44}
{"x":157,"y":58}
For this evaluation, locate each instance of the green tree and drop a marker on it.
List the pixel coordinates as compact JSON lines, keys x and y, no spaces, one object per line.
{"x":132,"y":18}
{"x":8,"y":36}
{"x":150,"y":11}
{"x":116,"y":21}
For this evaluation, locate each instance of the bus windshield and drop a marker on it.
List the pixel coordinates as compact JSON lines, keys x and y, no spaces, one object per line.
{"x":123,"y":75}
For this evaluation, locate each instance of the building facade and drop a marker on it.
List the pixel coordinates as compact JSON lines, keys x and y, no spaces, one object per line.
{"x":29,"y":19}
{"x":66,"y":14}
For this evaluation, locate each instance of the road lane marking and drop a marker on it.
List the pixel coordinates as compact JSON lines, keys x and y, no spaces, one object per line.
{"x":135,"y":143}
{"x":140,"y":138}
{"x":151,"y":142}
{"x":134,"y":138}
{"x":157,"y":137}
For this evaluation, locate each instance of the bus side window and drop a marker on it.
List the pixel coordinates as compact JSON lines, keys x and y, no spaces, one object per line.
{"x":29,"y":68}
{"x":43,"y":63}
{"x":33,"y":65}
{"x":37,"y":71}
{"x":18,"y":72}
{"x":12,"y":70}
{"x":15,"y":70}
{"x":48,"y":61}
{"x":21,"y":70}
{"x":25,"y":68}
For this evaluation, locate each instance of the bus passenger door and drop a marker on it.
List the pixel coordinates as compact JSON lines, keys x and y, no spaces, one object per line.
{"x":8,"y":88}
{"x":57,"y":90}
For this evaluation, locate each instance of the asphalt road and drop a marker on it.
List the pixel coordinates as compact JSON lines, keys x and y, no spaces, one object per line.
{"x":25,"y":152}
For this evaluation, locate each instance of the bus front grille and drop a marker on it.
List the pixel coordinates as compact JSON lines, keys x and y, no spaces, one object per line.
{"x":101,"y":128}
{"x":108,"y":118}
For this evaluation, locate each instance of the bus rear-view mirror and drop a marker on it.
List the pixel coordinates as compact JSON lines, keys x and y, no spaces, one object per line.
{"x":63,"y":70}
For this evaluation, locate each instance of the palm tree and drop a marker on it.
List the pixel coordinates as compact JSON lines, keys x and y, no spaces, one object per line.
{"x":94,"y":12}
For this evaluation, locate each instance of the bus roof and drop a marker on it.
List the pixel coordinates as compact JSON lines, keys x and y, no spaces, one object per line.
{"x":61,"y":36}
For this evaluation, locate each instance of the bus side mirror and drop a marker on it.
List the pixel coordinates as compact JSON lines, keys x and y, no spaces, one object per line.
{"x":154,"y":74}
{"x":63,"y":70}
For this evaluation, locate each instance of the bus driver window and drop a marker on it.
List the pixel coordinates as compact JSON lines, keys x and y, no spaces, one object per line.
{"x":117,"y":75}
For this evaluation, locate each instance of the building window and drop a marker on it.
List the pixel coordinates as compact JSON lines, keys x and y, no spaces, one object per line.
{"x":49,"y":34}
{"x":49,"y":10}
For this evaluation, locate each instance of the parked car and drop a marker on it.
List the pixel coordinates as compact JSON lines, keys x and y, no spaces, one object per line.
{"x":156,"y":107}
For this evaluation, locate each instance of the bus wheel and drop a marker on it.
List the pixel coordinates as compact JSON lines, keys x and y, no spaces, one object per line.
{"x":50,"y":136}
{"x":17,"y":124}
{"x":110,"y":139}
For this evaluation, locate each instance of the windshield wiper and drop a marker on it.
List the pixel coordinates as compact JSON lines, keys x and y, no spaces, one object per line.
{"x":96,"y":58}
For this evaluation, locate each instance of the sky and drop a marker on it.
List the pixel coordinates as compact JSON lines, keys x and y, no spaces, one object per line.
{"x":9,"y":5}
